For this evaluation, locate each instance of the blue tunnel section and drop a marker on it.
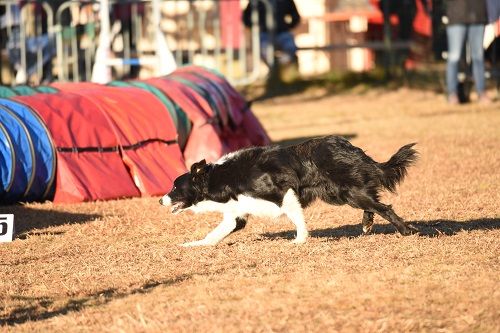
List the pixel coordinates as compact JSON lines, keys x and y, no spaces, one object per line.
{"x":28,"y":162}
{"x":7,"y":161}
{"x":23,"y":165}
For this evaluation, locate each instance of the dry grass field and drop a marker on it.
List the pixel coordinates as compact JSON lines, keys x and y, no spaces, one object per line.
{"x":116,"y":266}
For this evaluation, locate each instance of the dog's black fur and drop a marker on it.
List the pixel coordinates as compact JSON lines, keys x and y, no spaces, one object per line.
{"x":328,"y":168}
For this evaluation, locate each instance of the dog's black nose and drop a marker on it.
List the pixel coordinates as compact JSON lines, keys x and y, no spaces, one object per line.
{"x":161,"y":201}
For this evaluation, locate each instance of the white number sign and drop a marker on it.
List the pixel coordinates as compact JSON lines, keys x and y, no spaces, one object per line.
{"x":6,"y":227}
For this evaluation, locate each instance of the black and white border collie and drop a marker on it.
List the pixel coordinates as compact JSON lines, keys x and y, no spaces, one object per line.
{"x":274,"y":181}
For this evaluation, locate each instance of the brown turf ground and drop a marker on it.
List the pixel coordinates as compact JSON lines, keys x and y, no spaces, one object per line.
{"x":116,"y":266}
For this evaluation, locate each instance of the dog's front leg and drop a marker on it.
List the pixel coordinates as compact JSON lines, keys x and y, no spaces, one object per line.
{"x":227,"y":225}
{"x":292,"y":208}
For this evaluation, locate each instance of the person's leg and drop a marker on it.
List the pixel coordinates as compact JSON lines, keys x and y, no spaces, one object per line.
{"x":285,"y":42}
{"x":287,"y":59}
{"x":456,"y":36}
{"x":406,"y":15}
{"x":475,"y":38}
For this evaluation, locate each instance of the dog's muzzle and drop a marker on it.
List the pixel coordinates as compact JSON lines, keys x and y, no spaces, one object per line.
{"x":177,"y":208}
{"x":174,"y":207}
{"x":165,"y":201}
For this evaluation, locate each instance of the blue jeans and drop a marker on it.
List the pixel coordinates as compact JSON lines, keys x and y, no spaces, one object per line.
{"x":283,"y":41}
{"x":456,"y":36}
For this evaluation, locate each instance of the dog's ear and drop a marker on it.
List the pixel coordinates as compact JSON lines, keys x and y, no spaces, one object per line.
{"x":199,"y":177}
{"x":198,"y":168}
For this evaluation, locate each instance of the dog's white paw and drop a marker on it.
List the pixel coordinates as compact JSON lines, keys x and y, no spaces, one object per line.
{"x":299,"y":241}
{"x":301,"y":237}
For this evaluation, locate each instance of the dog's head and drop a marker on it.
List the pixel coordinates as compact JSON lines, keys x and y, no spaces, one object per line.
{"x":188,"y":189}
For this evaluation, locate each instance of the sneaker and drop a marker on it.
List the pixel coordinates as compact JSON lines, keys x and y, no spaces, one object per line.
{"x":453,"y":99}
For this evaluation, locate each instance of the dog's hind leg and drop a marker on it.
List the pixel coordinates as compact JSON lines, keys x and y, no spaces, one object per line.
{"x":367,"y":222}
{"x":388,"y":213}
{"x":293,"y":210}
{"x":369,"y":204}
{"x":228,"y":224}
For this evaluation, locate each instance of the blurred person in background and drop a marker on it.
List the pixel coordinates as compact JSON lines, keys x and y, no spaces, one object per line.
{"x":405,"y":10}
{"x":286,"y":18}
{"x":33,"y":41}
{"x":466,"y":21}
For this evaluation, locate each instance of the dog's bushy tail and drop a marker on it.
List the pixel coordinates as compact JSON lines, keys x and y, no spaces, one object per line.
{"x":394,"y":170}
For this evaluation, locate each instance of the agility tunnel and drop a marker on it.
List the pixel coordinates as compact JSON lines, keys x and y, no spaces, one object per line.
{"x":75,"y":142}
{"x":22,"y":90}
{"x":27,"y":155}
{"x":179,"y":117}
{"x":221,"y":118}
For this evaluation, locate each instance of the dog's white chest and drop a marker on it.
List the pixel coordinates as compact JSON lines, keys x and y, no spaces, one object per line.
{"x":257,"y":207}
{"x":243,"y":206}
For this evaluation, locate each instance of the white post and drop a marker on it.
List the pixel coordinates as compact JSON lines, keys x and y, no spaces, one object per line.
{"x":166,"y":61}
{"x":101,"y":73}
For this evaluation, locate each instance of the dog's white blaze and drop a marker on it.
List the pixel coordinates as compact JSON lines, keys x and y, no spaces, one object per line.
{"x":248,"y":205}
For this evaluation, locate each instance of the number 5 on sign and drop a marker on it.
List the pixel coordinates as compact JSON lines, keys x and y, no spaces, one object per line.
{"x":6,"y":227}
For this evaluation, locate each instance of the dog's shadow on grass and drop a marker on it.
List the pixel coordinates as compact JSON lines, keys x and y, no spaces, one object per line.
{"x":432,"y":228}
{"x":31,"y":221}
